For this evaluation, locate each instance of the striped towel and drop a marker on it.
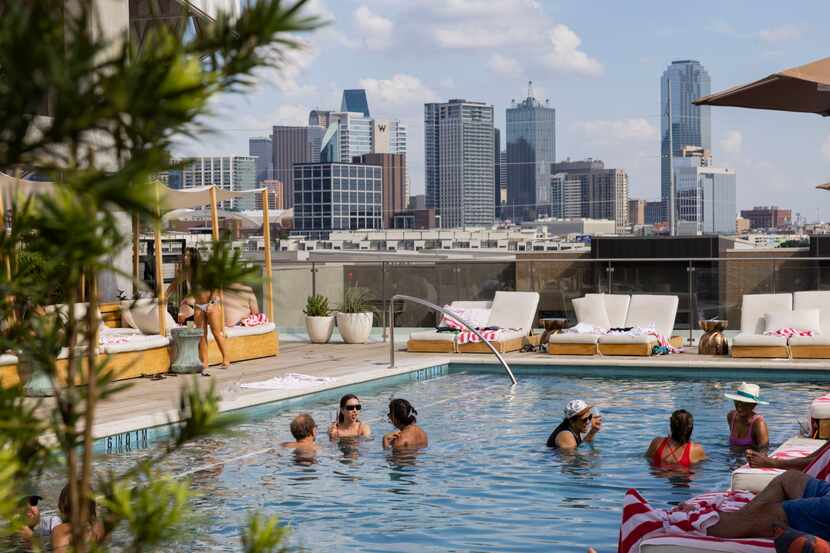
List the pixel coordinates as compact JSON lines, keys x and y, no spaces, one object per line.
{"x":467,"y":337}
{"x":820,"y":466}
{"x":254,"y":320}
{"x":641,"y":521}
{"x":788,"y":332}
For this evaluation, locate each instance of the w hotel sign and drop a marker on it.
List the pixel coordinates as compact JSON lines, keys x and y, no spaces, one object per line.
{"x":380,"y":137}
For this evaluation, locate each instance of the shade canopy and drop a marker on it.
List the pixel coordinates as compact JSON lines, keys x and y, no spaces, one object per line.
{"x":190,"y":198}
{"x":804,"y":89}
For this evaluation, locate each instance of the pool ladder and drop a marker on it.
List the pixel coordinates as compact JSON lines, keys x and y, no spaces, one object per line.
{"x":446,"y":312}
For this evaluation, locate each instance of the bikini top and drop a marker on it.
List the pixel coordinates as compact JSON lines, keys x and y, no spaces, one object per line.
{"x":747,"y":440}
{"x":685,"y":458}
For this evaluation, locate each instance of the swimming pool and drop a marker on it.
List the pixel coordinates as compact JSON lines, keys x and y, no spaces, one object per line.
{"x":487,"y":482}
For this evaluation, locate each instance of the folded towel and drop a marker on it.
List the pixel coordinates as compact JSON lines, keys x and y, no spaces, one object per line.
{"x":254,"y":320}
{"x":290,"y":381}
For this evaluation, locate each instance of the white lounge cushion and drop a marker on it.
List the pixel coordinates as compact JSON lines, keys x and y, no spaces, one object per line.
{"x":8,"y":359}
{"x":239,"y":330}
{"x":591,"y":310}
{"x":616,"y":307}
{"x":815,"y":299}
{"x":476,"y":316}
{"x":136,"y":342}
{"x":143,"y":314}
{"x":820,"y":407}
{"x":818,"y":340}
{"x":802,"y":319}
{"x":573,"y":338}
{"x":758,"y":340}
{"x":107,"y":331}
{"x":756,"y":479}
{"x":625,"y":339}
{"x":755,"y":306}
{"x":692,"y":544}
{"x":503,"y":335}
{"x":433,"y":335}
{"x":474,"y":304}
{"x":647,"y":311}
{"x":516,"y":310}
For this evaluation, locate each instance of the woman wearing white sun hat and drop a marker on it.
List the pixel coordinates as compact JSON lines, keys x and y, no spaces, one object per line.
{"x":578,"y":419}
{"x":746,"y":427}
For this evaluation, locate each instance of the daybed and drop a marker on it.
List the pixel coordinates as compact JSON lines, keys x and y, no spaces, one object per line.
{"x":818,"y":346}
{"x":513,"y":313}
{"x":751,"y":342}
{"x":756,"y":479}
{"x":597,"y":310}
{"x":432,"y":341}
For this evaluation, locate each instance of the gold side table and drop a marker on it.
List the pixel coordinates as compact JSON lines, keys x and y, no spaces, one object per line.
{"x":713,"y":342}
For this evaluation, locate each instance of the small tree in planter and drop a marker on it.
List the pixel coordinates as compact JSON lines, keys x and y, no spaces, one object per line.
{"x":355,"y":315}
{"x":319,"y":321}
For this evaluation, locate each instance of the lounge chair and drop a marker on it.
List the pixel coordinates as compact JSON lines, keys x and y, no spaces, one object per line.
{"x":818,"y":346}
{"x":597,"y":310}
{"x":8,"y":370}
{"x":751,"y":342}
{"x":432,"y":341}
{"x":644,"y":311}
{"x":514,"y":314}
{"x":756,"y":479}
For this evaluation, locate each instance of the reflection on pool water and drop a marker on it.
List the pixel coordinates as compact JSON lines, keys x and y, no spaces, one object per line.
{"x":487,"y":482}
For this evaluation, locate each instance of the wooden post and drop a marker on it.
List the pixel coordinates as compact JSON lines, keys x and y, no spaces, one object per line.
{"x":160,"y":291}
{"x":136,"y":253}
{"x":268,"y":296}
{"x":6,"y":260}
{"x":214,"y":228}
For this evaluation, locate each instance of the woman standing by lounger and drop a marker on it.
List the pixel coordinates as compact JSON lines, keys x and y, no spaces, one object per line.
{"x":677,"y":448}
{"x":747,"y":429}
{"x":348,"y":423}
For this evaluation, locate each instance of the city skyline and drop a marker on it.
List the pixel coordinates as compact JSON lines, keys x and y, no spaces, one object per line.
{"x":600,"y":72}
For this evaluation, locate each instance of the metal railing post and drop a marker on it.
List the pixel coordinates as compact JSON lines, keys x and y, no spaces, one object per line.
{"x":691,"y":270}
{"x":383,"y":297}
{"x":448,"y":313}
{"x":313,"y":279}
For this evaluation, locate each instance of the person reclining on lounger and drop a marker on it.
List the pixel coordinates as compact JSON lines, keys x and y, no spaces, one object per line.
{"x":578,"y":419}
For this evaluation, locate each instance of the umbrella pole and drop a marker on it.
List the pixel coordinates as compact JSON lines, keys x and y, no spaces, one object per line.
{"x":135,"y":254}
{"x":160,"y":292}
{"x":266,"y":235}
{"x":214,"y":229}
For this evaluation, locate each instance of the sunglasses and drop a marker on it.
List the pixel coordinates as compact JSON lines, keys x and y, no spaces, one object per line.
{"x":357,"y":407}
{"x":588,"y":418}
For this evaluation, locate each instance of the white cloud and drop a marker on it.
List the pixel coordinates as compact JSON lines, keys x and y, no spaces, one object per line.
{"x":400,"y":90}
{"x":617,"y":130}
{"x":825,"y":148}
{"x":376,"y":29}
{"x":781,"y":33}
{"x":566,"y":55}
{"x":291,"y":114}
{"x":733,"y":142}
{"x":721,"y":26}
{"x":504,"y":65}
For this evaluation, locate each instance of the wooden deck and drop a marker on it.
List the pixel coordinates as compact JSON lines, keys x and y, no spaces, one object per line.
{"x":149,"y":403}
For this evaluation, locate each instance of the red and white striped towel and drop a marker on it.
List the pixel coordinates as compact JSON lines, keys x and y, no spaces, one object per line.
{"x":467,"y":337}
{"x":789,"y":332}
{"x":718,"y":545}
{"x":254,"y":320}
{"x":820,"y":466}
{"x":641,"y":521}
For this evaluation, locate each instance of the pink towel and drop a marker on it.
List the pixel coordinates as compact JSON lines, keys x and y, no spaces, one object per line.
{"x":254,"y":320}
{"x":789,"y":332}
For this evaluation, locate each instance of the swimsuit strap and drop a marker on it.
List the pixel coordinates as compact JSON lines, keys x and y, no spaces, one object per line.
{"x":686,"y":459}
{"x":672,"y":455}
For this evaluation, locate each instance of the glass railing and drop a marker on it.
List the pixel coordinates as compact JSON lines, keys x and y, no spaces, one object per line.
{"x":706,"y":288}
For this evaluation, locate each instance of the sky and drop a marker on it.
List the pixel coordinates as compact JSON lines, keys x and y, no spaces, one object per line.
{"x":599,"y":63}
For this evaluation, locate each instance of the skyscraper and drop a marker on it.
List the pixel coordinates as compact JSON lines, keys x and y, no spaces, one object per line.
{"x":394,"y":182}
{"x":319,"y":118}
{"x":498,"y":170}
{"x":705,"y":195}
{"x":460,"y":162}
{"x":263,"y":150}
{"x":603,"y":193}
{"x":531,"y":149}
{"x":232,"y":173}
{"x":294,"y":145}
{"x":354,"y":100}
{"x":683,"y":81}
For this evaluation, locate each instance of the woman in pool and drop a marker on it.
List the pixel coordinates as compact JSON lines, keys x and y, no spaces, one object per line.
{"x":578,"y":420}
{"x":62,"y":533}
{"x":677,"y":448}
{"x":408,"y":434}
{"x":746,"y":427}
{"x":348,"y":423}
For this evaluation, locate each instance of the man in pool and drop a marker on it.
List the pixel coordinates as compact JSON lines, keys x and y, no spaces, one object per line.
{"x":792,"y":500}
{"x":578,"y":420}
{"x":304,"y":430}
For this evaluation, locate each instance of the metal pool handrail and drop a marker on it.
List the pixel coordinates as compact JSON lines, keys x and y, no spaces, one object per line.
{"x":446,"y":312}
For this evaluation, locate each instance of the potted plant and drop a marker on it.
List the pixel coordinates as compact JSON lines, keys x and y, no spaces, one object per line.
{"x":355,"y":315}
{"x":318,"y":319}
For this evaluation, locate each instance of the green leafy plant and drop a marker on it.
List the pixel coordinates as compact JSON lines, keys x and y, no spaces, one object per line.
{"x":317,"y":305}
{"x":357,"y":300}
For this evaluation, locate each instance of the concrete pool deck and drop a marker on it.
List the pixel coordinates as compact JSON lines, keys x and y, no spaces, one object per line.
{"x":149,"y":403}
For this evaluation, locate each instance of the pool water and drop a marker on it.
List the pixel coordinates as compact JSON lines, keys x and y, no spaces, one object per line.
{"x":487,"y":482}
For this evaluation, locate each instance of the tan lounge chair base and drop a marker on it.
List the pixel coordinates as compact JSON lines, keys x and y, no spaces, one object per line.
{"x":243,"y":348}
{"x":430,"y":346}
{"x":810,"y":352}
{"x":502,"y":347}
{"x":763,"y":352}
{"x":635,"y":350}
{"x":572,"y":349}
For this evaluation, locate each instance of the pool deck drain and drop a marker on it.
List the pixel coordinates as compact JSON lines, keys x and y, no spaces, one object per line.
{"x":153,"y":403}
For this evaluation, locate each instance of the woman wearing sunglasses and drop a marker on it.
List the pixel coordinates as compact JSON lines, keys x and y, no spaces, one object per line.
{"x":578,"y":420}
{"x":348,"y":423}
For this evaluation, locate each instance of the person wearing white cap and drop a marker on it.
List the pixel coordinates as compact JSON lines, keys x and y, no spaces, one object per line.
{"x":578,"y":420}
{"x":746,"y":427}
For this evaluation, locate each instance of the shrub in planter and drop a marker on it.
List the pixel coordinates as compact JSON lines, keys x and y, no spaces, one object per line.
{"x":355,"y":315}
{"x":318,"y":321}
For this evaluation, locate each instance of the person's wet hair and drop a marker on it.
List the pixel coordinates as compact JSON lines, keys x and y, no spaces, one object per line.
{"x":402,"y":411}
{"x":65,"y":505}
{"x":302,"y":426}
{"x":343,"y":401}
{"x":682,"y":423}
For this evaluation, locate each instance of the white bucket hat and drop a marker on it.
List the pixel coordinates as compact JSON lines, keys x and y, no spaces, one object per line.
{"x":575,"y":407}
{"x":747,"y":393}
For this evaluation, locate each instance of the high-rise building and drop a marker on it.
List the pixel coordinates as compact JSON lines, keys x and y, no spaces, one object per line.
{"x":566,"y":196}
{"x":319,"y":118}
{"x":690,"y":125}
{"x":654,"y":212}
{"x":263,"y":150}
{"x":351,"y":134}
{"x":705,"y":195}
{"x":531,"y":149}
{"x":463,"y":160}
{"x":498,"y":170}
{"x":637,"y":212}
{"x":394,"y":182}
{"x":603,"y":192}
{"x":355,"y":101}
{"x":768,"y":217}
{"x":232,"y":173}
{"x":336,"y":196}
{"x":294,"y":145}
{"x":503,"y":173}
{"x":276,"y":195}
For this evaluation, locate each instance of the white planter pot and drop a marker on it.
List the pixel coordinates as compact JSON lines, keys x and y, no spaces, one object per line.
{"x":319,"y":329}
{"x":355,"y":327}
